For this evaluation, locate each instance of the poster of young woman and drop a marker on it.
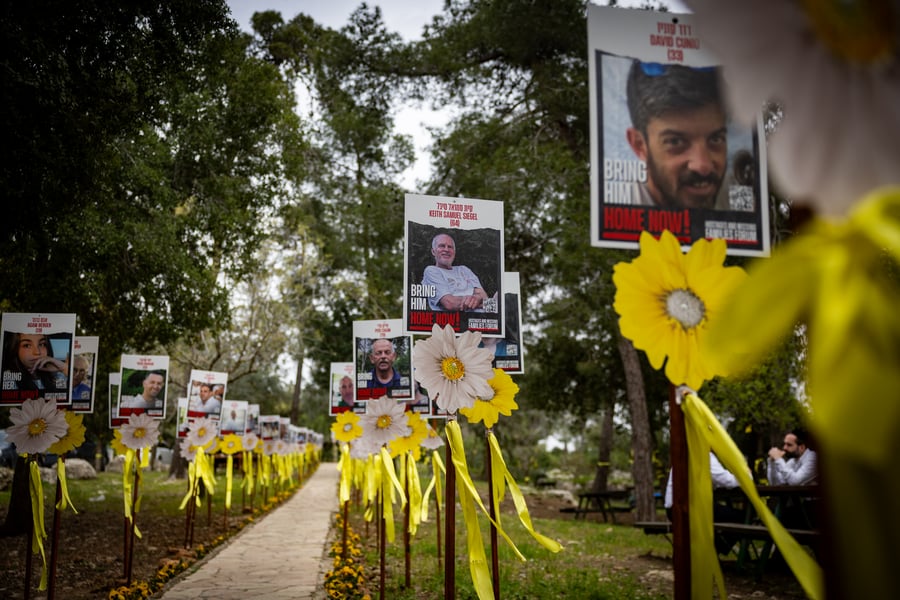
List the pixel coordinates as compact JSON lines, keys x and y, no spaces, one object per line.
{"x":453,"y":264}
{"x":37,"y":357}
{"x":382,"y":359}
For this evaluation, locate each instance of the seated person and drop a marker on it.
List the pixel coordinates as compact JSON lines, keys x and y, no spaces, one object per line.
{"x":795,"y":463}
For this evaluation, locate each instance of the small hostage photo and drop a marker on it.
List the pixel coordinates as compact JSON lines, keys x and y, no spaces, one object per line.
{"x":37,"y":357}
{"x":206,"y":395}
{"x":508,"y":355}
{"x":84,"y":373}
{"x":453,"y":264}
{"x":143,"y":387}
{"x":343,"y":396}
{"x":382,"y":359}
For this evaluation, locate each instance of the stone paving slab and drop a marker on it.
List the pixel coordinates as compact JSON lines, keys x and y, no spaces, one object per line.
{"x":282,"y":556}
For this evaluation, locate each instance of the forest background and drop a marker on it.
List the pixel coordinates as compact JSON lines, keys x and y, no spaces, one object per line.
{"x":161,"y":183}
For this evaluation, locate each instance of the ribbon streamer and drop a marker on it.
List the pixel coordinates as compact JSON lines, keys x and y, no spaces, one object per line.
{"x":414,"y":487}
{"x":345,"y":466}
{"x":499,"y":468}
{"x":705,"y":430}
{"x":64,"y":500}
{"x":229,"y":466}
{"x":37,"y":514}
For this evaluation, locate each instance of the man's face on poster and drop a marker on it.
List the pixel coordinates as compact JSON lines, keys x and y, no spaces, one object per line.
{"x":686,"y":156}
{"x":205,"y":393}
{"x":444,"y":251}
{"x":153,"y":384}
{"x":383,"y":355}
{"x":79,"y":370}
{"x":346,"y":388}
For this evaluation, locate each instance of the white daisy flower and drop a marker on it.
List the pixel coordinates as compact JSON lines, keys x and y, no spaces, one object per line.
{"x":835,"y":68}
{"x":202,"y":431}
{"x":432,"y":441}
{"x":250,"y":440}
{"x":384,"y":420}
{"x":188,"y":450}
{"x":269,"y":447}
{"x":36,"y":426}
{"x":141,"y":431}
{"x":453,"y":369}
{"x":361,"y":448}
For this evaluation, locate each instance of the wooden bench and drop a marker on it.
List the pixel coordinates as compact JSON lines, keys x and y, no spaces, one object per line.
{"x":599,"y":502}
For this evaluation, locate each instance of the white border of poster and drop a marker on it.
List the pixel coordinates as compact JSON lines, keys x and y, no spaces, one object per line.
{"x":476,"y":227}
{"x":182,"y":420}
{"x":269,"y":427}
{"x":134,"y":368}
{"x":340,"y":370}
{"x":87,"y":347}
{"x":56,"y":376}
{"x":217,"y":381}
{"x":236,"y":424}
{"x":616,"y":37}
{"x":365,"y":334}
{"x":508,"y":350}
{"x":115,"y":421}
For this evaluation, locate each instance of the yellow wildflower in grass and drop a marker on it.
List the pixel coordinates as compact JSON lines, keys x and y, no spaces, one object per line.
{"x":346,"y":427}
{"x":503,"y":402}
{"x":418,"y":431}
{"x":74,"y":436}
{"x":666,"y":301}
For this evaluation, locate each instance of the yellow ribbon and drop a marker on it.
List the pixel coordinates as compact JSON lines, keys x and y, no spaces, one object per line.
{"x":414,"y":489}
{"x":389,"y":483}
{"x":64,"y":500}
{"x":437,"y":467}
{"x":478,"y":568}
{"x":345,"y":466}
{"x":500,"y":471}
{"x":128,"y":487}
{"x":192,"y":482}
{"x":229,"y":465}
{"x":37,"y":515}
{"x":704,"y":432}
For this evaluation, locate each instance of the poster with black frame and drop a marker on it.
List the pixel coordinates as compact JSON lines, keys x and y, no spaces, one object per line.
{"x":36,"y":357}
{"x":665,"y":154}
{"x":382,"y":359}
{"x":453,"y":264}
{"x":343,"y":395}
{"x":508,"y":350}
{"x":84,"y":373}
{"x":144,"y":379}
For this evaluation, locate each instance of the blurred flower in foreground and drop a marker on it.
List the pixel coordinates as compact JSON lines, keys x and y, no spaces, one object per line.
{"x":202,"y":431}
{"x":73,"y":438}
{"x":503,"y":402}
{"x":453,"y":370}
{"x":843,"y":280}
{"x":835,"y":67}
{"x":666,"y":299}
{"x":36,"y":425}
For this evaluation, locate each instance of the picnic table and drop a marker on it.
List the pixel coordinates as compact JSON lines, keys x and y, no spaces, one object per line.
{"x":601,"y":502}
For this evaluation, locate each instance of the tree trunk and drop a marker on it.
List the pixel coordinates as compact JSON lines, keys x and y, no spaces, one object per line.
{"x":178,"y":466}
{"x":641,"y":440}
{"x":601,"y":475}
{"x":298,"y":387}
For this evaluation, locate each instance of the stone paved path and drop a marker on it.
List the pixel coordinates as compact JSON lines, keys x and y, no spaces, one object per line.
{"x":282,"y":556}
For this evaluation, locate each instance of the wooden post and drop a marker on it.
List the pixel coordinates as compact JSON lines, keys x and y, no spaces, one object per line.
{"x":681,"y":535}
{"x":450,"y":533}
{"x":495,"y":560}
{"x":54,"y":548}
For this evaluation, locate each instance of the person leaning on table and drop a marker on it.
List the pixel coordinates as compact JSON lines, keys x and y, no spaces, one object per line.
{"x":794,"y":463}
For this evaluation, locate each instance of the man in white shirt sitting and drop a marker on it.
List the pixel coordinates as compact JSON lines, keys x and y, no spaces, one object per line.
{"x":794,"y":463}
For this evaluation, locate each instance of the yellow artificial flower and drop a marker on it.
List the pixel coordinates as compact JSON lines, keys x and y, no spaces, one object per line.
{"x":503,"y":402}
{"x":231,"y":443}
{"x":418,"y":431}
{"x":346,"y":427}
{"x":116,"y":443}
{"x":73,"y":438}
{"x":666,"y":300}
{"x":842,"y":280}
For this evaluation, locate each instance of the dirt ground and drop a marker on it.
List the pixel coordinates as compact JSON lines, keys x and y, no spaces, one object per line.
{"x":91,"y":555}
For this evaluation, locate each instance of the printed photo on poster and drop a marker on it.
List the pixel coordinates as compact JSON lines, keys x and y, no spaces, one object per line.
{"x":207,"y":393}
{"x":115,"y":421}
{"x":252,"y":419}
{"x":382,"y":359}
{"x":343,"y":396}
{"x":508,"y":354}
{"x":233,"y":418}
{"x":84,"y":373}
{"x":269,"y":427}
{"x":453,"y":264}
{"x":665,"y":154}
{"x":143,"y":387}
{"x":36,"y":357}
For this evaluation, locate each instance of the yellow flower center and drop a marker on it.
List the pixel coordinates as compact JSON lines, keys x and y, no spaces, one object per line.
{"x":139,"y":432}
{"x":37,"y":427}
{"x":384,"y":421}
{"x":861,"y":31}
{"x":453,"y":368}
{"x":201,"y":432}
{"x":348,"y":427}
{"x":685,"y":307}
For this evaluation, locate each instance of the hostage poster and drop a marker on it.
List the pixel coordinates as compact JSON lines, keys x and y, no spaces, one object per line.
{"x":143,"y":385}
{"x":343,"y":397}
{"x":37,"y":357}
{"x":508,"y":349}
{"x":84,"y":373}
{"x":453,"y":264}
{"x":382,"y":358}
{"x":665,"y":153}
{"x":207,"y":393}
